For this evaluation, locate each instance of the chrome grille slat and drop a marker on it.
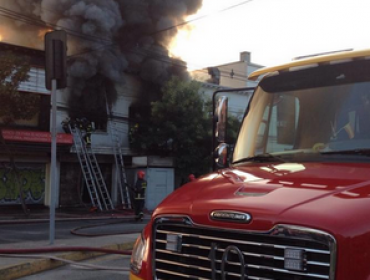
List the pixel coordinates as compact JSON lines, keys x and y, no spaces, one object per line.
{"x":249,"y":266}
{"x":244,"y":253}
{"x":196,"y":252}
{"x":318,"y":263}
{"x":200,"y":268}
{"x":183,"y":255}
{"x":223,"y":250}
{"x":244,"y":242}
{"x":196,"y":246}
{"x":187,"y":276}
{"x":258,"y":278}
{"x":182,"y":275}
{"x":288,"y":271}
{"x":184,"y":265}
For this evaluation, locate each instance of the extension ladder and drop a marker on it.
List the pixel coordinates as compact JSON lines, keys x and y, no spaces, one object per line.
{"x":95,"y":183}
{"x":120,"y":165}
{"x":122,"y":179}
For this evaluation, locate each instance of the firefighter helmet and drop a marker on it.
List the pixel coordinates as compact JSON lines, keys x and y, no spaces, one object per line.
{"x":191,"y":177}
{"x":141,"y":174}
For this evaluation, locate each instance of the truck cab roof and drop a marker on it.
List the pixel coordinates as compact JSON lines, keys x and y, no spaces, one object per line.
{"x":311,"y":61}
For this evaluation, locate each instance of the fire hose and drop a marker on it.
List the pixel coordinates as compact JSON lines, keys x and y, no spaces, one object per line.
{"x":64,"y":249}
{"x":93,"y":266}
{"x":30,"y":253}
{"x":75,"y":230}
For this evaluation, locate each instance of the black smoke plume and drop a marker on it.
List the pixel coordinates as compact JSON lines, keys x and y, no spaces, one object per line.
{"x":107,"y":38}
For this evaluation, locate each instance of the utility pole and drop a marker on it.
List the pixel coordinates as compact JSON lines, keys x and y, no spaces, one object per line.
{"x":55,"y":78}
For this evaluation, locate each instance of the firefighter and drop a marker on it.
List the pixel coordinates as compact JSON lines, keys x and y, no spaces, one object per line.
{"x":86,"y":129}
{"x":65,"y":125}
{"x":88,"y":134}
{"x":133,"y":133}
{"x":191,"y":177}
{"x":139,"y":191}
{"x":78,"y":123}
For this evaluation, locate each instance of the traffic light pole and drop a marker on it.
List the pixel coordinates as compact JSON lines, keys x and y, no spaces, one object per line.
{"x":53,"y":175}
{"x":55,"y":78}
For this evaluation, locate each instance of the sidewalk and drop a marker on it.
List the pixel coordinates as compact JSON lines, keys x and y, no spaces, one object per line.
{"x":16,"y":214}
{"x":15,"y":266}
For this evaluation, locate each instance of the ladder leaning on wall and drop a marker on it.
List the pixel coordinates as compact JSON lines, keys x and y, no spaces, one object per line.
{"x":120,"y":169}
{"x":95,"y":183}
{"x":124,"y":188}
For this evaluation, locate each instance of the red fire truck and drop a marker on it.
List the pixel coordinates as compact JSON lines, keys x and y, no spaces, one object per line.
{"x":291,"y":201}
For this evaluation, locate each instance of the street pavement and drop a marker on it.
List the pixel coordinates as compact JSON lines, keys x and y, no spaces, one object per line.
{"x":112,"y":267}
{"x":90,"y":241}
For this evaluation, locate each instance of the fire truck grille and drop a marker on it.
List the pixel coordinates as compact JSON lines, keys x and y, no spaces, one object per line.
{"x":182,"y":250}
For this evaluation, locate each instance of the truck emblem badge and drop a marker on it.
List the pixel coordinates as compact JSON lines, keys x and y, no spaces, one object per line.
{"x":231,"y":216}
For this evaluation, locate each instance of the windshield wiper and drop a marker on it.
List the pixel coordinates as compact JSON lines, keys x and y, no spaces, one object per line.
{"x":266,"y":157}
{"x":360,"y":152}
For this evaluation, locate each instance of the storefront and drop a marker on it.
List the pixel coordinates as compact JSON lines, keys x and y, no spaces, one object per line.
{"x":24,"y":165}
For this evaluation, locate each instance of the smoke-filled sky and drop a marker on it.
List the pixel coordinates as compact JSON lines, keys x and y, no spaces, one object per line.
{"x":274,"y":31}
{"x":105,"y":37}
{"x":123,"y":32}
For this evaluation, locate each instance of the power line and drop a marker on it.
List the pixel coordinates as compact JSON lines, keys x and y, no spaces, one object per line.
{"x":203,"y":17}
{"x":165,"y":59}
{"x":236,"y":73}
{"x":184,"y":22}
{"x":171,"y":27}
{"x":171,"y":61}
{"x":40,"y":23}
{"x":35,"y":21}
{"x":184,"y":66}
{"x":12,"y":14}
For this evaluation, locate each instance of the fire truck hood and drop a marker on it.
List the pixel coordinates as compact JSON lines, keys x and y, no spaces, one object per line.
{"x":323,"y":195}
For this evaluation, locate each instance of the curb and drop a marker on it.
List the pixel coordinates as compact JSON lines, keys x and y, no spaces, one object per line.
{"x":35,"y":266}
{"x":47,"y":220}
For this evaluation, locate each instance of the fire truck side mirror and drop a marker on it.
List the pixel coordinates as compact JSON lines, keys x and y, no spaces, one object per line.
{"x":221,"y":156}
{"x":220,"y":119}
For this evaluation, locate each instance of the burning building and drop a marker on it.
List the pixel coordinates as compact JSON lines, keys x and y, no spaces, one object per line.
{"x":118,"y":59}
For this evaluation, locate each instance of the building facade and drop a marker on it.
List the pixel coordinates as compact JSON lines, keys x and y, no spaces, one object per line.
{"x":29,"y":142}
{"x":228,"y":76}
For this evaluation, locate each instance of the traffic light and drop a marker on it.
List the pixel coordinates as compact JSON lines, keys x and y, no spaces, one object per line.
{"x":56,"y":58}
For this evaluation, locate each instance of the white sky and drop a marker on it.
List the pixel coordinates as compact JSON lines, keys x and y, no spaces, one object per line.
{"x":274,"y":31}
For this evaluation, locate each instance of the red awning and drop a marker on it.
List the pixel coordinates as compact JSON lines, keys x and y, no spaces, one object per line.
{"x":35,"y":136}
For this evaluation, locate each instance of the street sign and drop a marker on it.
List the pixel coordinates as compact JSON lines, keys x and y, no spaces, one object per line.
{"x":56,"y":58}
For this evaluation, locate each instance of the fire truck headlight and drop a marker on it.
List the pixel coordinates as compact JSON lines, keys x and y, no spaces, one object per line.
{"x":138,"y":254}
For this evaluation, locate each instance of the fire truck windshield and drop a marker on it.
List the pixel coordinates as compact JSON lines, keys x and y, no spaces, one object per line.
{"x":299,"y":117}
